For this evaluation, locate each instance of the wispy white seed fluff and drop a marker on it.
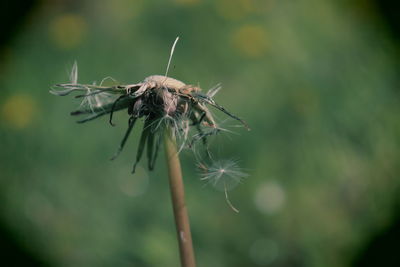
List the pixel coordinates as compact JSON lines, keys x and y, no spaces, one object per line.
{"x":223,"y":174}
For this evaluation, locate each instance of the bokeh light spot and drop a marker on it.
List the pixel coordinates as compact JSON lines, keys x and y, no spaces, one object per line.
{"x":18,"y":111}
{"x":133,"y":186}
{"x":264,"y":251}
{"x":269,"y":197}
{"x":234,"y":9}
{"x":250,"y":40}
{"x":39,"y":209}
{"x":122,"y":10}
{"x":305,"y":101}
{"x":187,"y":2}
{"x":68,"y":31}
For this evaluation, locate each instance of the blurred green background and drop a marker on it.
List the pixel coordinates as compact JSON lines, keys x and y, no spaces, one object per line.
{"x":317,"y":80}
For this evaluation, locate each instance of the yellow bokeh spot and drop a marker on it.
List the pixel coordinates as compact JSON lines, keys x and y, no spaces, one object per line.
{"x":67,"y":31}
{"x":305,"y":101}
{"x":18,"y":111}
{"x":234,"y":9}
{"x":122,"y":10}
{"x":187,"y":2}
{"x":250,"y":40}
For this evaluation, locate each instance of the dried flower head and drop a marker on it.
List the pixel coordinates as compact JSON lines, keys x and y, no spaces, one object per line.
{"x":161,"y":101}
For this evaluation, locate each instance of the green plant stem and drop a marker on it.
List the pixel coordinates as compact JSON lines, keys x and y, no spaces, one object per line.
{"x":178,"y":201}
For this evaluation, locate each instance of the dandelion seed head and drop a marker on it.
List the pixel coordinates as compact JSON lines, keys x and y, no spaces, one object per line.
{"x":163,"y":103}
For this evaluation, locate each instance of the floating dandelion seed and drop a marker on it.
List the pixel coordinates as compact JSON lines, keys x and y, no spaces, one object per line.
{"x":223,"y":175}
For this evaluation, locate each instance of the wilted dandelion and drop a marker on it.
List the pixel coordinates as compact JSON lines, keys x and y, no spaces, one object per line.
{"x":160,"y":100}
{"x":171,"y":109}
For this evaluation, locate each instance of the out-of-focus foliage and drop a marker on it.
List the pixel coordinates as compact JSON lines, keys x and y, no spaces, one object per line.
{"x":316,"y":80}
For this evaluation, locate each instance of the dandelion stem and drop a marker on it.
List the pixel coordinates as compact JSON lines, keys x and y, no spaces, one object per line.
{"x":178,"y":200}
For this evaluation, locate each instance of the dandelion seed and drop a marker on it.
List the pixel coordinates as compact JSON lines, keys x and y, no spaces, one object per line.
{"x":74,"y":74}
{"x":223,"y":175}
{"x":171,"y":54}
{"x":213,"y":91}
{"x":107,"y":78}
